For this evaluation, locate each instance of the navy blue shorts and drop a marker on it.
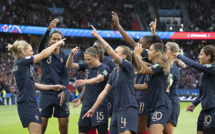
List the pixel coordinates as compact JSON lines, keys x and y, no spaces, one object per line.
{"x":209,"y":118}
{"x":141,"y":101}
{"x":175,"y":114}
{"x":126,"y":119}
{"x":28,"y":112}
{"x":49,"y":102}
{"x":159,"y":116}
{"x":100,"y":117}
{"x":110,"y":106}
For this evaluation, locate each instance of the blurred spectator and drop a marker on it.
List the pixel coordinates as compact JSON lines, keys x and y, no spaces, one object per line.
{"x":81,"y":13}
{"x":202,"y":15}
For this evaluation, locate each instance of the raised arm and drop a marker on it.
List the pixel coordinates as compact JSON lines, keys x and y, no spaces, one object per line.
{"x":99,"y":101}
{"x":69,"y":63}
{"x":45,"y":36}
{"x":125,"y":36}
{"x":107,"y":47}
{"x":46,"y":52}
{"x":137,"y":51}
{"x":193,"y":64}
{"x":153,"y":26}
{"x":39,"y":86}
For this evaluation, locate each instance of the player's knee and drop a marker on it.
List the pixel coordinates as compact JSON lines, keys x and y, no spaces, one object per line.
{"x":63,"y":129}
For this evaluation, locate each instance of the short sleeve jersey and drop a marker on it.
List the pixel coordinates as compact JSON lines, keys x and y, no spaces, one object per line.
{"x":54,"y":71}
{"x":156,"y":94}
{"x":92,"y":91}
{"x":122,"y":80}
{"x":24,"y":79}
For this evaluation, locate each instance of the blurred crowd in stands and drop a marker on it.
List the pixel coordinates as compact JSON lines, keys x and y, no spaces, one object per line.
{"x":81,"y":14}
{"x":202,"y":14}
{"x":77,"y":13}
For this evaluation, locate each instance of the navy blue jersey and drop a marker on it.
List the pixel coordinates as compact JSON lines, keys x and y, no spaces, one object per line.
{"x":174,"y":77}
{"x":107,"y":61}
{"x":196,"y":101}
{"x":24,"y":79}
{"x":54,"y":71}
{"x":92,"y":91}
{"x":206,"y":84}
{"x":156,"y":94}
{"x":122,"y":80}
{"x":140,"y":79}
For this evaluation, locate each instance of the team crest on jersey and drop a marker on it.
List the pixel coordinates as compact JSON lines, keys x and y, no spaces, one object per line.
{"x":61,"y":60}
{"x":36,"y":116}
{"x":98,"y":73}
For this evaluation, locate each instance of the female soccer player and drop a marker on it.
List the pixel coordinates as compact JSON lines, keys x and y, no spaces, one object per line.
{"x":207,"y":81}
{"x":174,"y":77}
{"x":159,"y":105}
{"x":26,"y":102}
{"x":107,"y":61}
{"x":145,"y":42}
{"x":54,"y":71}
{"x":96,"y":75}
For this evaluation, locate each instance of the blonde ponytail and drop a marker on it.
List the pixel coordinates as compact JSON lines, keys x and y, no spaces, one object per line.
{"x":17,"y":48}
{"x":179,"y":62}
{"x":174,"y":47}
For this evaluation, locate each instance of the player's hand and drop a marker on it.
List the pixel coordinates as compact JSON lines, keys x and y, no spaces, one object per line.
{"x":80,"y":82}
{"x":57,"y":87}
{"x":90,"y":114}
{"x":53,"y":24}
{"x":115,"y":19}
{"x":62,"y":98}
{"x":153,"y":25}
{"x":60,"y":42}
{"x":94,"y":32}
{"x":191,"y":108}
{"x":138,"y":50}
{"x":75,"y":50}
{"x":76,"y":102}
{"x":177,"y":53}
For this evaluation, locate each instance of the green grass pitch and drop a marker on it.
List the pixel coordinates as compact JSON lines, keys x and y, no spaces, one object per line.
{"x":10,"y":123}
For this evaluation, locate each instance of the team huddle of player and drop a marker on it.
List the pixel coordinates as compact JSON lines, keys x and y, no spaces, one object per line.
{"x":137,"y":89}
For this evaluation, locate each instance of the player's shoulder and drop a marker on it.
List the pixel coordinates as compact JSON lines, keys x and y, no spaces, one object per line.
{"x":104,"y":66}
